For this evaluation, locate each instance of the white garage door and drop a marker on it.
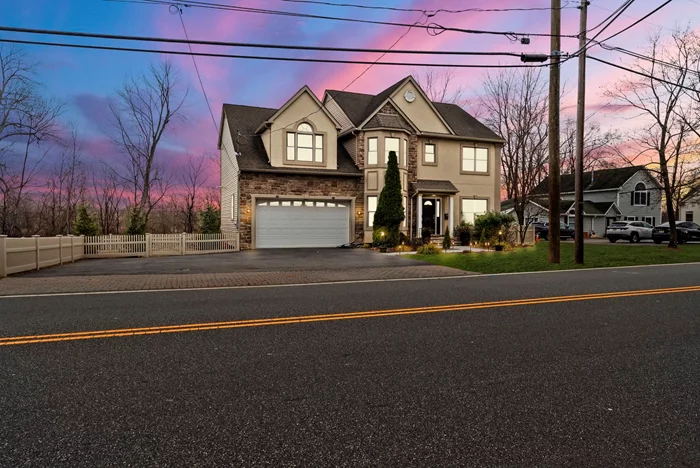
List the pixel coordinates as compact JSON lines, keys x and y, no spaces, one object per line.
{"x":296,"y":223}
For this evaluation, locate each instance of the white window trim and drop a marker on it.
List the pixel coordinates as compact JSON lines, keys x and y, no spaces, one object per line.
{"x":644,"y":192}
{"x":376,"y":151}
{"x":475,"y":171}
{"x":370,"y":219}
{"x":425,"y":153}
{"x":397,"y":151}
{"x":475,"y":214}
{"x":314,"y":148}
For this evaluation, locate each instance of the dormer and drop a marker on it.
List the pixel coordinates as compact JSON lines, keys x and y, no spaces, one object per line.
{"x":302,"y":133}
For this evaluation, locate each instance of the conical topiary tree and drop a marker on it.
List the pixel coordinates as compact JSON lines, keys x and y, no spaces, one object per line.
{"x":390,"y":212}
{"x":85,"y":224}
{"x":210,"y":220}
{"x":446,"y":240}
{"x":135,"y":222}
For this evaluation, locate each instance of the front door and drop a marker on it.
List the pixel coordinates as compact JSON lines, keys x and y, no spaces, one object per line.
{"x":432,"y":215}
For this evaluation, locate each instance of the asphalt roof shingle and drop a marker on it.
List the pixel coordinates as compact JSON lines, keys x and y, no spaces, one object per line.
{"x":603,"y":179}
{"x":358,"y":107}
{"x":253,"y":157}
{"x":427,"y":185}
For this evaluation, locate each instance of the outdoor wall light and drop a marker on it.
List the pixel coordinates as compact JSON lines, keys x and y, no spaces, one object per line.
{"x":359,"y":212}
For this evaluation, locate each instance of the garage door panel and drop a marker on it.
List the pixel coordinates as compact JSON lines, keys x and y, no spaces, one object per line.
{"x":299,"y":225}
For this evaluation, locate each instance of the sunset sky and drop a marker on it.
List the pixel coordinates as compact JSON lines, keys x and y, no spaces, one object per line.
{"x":85,"y":80}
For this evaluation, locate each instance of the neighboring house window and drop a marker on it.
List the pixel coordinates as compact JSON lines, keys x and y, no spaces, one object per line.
{"x":303,"y":145}
{"x":391,"y":144}
{"x":372,"y":151}
{"x":371,"y":209}
{"x":649,"y":219}
{"x":404,"y":160}
{"x":472,"y":208}
{"x":689,"y":216}
{"x":475,"y":159}
{"x":630,"y":218}
{"x":429,"y":154}
{"x":640,"y":196}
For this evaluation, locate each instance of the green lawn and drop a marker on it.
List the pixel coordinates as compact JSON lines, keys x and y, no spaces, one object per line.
{"x":535,"y":258}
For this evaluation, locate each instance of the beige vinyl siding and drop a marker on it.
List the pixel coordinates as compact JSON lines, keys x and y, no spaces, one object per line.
{"x":335,"y":110}
{"x":229,"y":181}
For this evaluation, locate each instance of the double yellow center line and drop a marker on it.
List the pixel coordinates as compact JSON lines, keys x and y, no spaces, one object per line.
{"x":191,"y":327}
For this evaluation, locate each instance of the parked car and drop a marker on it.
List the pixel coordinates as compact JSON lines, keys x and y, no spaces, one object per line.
{"x":686,"y":231}
{"x":633,"y":231}
{"x":565,"y":230}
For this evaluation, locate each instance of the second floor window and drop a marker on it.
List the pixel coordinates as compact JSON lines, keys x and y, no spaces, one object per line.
{"x":475,"y":159}
{"x":429,"y":154}
{"x":404,"y":156}
{"x":640,"y":196}
{"x":372,"y":151}
{"x":304,"y":145}
{"x":391,"y":144}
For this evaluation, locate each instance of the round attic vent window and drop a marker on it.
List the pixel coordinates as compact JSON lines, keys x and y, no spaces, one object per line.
{"x":409,"y":96}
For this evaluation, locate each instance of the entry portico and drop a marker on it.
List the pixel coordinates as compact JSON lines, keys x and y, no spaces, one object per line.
{"x":435,"y":205}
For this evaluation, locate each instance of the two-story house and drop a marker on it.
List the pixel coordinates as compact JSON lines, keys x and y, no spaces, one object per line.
{"x":309,"y":174}
{"x":626,"y":193}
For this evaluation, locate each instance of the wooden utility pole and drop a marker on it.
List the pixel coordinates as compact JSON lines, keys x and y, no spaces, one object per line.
{"x":580,"y":120}
{"x":554,"y":176}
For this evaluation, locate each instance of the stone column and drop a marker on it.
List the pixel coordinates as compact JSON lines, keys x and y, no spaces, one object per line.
{"x":419,"y":216}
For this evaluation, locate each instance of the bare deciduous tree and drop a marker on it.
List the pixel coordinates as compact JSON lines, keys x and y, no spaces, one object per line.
{"x":65,"y":189}
{"x":192,"y":179}
{"x":665,"y":139}
{"x":598,"y":152}
{"x":516,"y":108}
{"x":442,"y":86}
{"x":109,"y":195}
{"x":145,"y":108}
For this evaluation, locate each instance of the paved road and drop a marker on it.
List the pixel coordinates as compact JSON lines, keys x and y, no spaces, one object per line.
{"x":594,"y":382}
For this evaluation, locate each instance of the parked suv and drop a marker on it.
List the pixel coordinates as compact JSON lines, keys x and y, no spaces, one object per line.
{"x":565,"y":231}
{"x":633,"y":231}
{"x":686,"y":231}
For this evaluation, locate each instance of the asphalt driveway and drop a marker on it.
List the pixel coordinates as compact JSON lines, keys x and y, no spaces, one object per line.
{"x":247,"y":261}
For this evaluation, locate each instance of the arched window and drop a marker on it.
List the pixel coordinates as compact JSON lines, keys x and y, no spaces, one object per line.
{"x":305,"y":145}
{"x":640,"y":196}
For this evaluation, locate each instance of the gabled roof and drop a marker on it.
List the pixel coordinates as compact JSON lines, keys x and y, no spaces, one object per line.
{"x":304,"y":90}
{"x":252,"y":156}
{"x":604,"y":179}
{"x":359,"y":107}
{"x":693,"y":194}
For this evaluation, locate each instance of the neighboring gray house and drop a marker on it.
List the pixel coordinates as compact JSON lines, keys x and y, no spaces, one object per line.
{"x":690,"y":206}
{"x":626,"y":193}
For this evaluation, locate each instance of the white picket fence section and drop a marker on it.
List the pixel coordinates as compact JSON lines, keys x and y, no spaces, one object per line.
{"x":153,"y":245}
{"x":32,"y":253}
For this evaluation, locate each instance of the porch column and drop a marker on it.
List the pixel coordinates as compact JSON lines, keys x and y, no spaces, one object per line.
{"x":451,"y":221}
{"x":419,"y":216}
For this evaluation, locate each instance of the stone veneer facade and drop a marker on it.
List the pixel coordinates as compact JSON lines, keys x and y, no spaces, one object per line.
{"x":288,"y":185}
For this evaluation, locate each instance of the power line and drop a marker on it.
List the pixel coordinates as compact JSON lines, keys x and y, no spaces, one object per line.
{"x":612,"y":17}
{"x":248,"y":45}
{"x":261,"y":57}
{"x":645,"y":57}
{"x":594,"y":4}
{"x":638,"y":21}
{"x":636,"y":72}
{"x":196,"y":68}
{"x":417,"y":10}
{"x":432,"y":27}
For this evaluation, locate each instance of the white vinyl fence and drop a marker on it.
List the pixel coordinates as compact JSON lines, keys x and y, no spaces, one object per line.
{"x":152,"y":245}
{"x":32,"y":253}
